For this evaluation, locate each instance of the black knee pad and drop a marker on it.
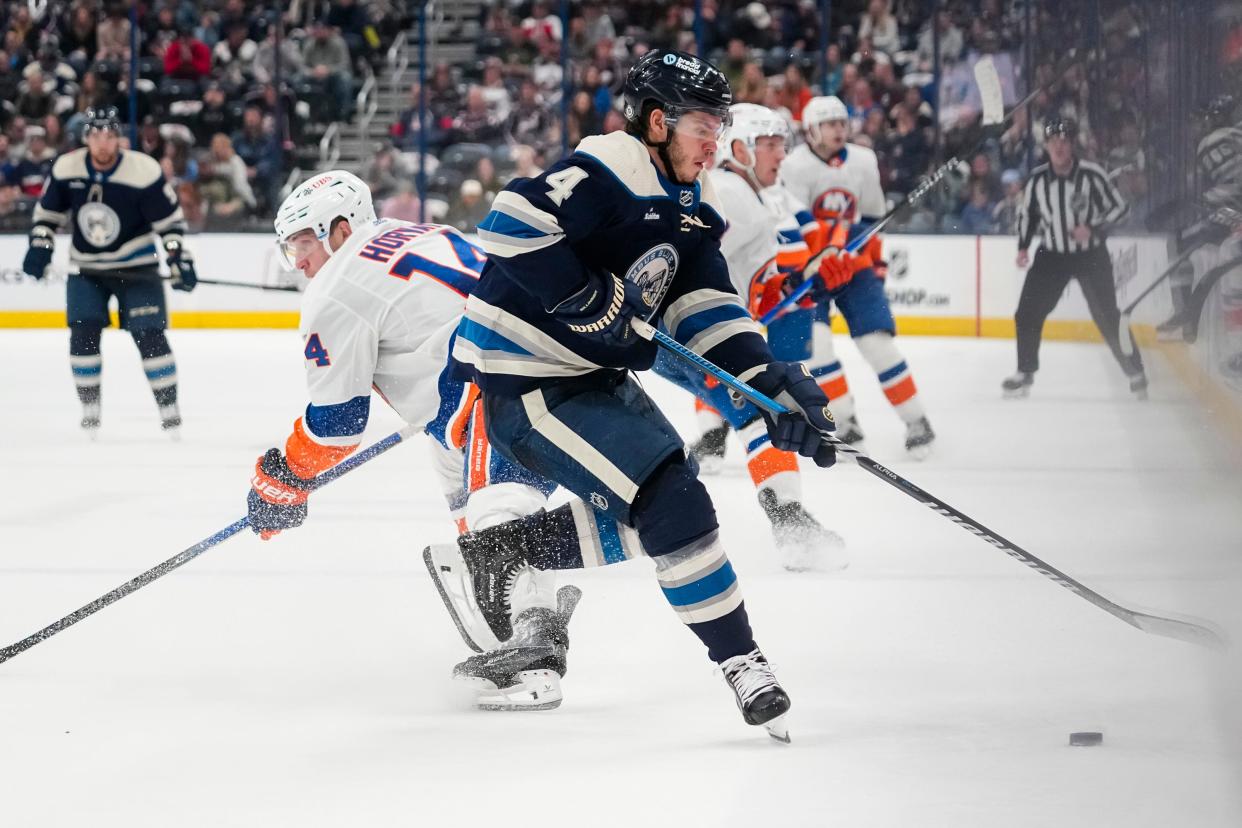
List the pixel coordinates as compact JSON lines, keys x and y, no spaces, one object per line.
{"x":151,"y":343}
{"x":84,"y":340}
{"x":672,"y":509}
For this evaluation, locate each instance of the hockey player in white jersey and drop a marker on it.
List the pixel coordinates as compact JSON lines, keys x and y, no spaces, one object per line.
{"x":384,"y":299}
{"x":841,"y":183}
{"x":762,"y":231}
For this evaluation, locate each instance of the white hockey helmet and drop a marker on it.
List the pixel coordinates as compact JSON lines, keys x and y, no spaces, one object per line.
{"x":820,"y":110}
{"x":749,"y":122}
{"x":316,"y":202}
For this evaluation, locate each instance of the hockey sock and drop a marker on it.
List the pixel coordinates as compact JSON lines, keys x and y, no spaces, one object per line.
{"x":879,"y":349}
{"x":770,"y":468}
{"x":829,"y":373}
{"x":86,"y":363}
{"x":160,"y":368}
{"x":707,"y":417}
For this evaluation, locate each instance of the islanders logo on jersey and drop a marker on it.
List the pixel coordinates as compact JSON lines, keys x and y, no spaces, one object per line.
{"x":653,"y":272}
{"x":99,"y":223}
{"x":836,"y":203}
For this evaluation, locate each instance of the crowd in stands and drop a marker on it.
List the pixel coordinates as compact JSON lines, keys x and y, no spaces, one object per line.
{"x":880,"y":60}
{"x":224,"y":97}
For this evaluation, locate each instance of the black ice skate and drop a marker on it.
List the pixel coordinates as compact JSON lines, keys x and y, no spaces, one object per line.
{"x":90,"y":419}
{"x":495,"y":557}
{"x":919,"y":438}
{"x":1138,"y":385}
{"x":1019,"y":385}
{"x":850,"y":433}
{"x":801,"y":541}
{"x":759,"y":695}
{"x":709,"y":450}
{"x":526,"y":672}
{"x":170,"y":420}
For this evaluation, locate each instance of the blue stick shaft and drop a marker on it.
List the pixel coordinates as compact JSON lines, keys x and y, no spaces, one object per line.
{"x":187,"y":555}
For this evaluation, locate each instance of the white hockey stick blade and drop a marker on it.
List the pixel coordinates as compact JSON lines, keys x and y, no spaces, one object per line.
{"x":990,"y":94}
{"x":452,"y":579}
{"x":1200,"y":631}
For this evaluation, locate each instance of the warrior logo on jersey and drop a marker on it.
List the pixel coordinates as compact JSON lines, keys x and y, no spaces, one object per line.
{"x":653,"y":272}
{"x":836,"y":203}
{"x":99,"y":223}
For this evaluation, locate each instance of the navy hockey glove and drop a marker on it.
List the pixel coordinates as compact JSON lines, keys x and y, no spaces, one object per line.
{"x":803,"y":427}
{"x":603,"y":309}
{"x":277,"y":498}
{"x":180,"y":265}
{"x":39,"y":256}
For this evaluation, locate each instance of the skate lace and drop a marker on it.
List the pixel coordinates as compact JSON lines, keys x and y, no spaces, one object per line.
{"x":749,"y":674}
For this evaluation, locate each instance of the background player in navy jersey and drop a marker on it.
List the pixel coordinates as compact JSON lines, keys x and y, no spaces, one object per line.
{"x":118,"y":202}
{"x":628,"y":226}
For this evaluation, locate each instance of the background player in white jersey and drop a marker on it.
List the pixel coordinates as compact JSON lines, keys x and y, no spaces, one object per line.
{"x":761,"y":228}
{"x":841,"y":183}
{"x":383,"y":301}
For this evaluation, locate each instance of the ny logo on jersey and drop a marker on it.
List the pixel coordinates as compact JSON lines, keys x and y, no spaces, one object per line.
{"x":835,"y":203}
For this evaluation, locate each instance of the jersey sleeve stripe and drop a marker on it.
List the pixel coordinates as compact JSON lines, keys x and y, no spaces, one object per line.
{"x":488,"y":339}
{"x":308,"y":457}
{"x":696,"y":301}
{"x":347,"y":419}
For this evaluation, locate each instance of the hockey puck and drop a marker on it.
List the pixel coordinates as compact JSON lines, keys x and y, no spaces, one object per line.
{"x":1088,"y":739}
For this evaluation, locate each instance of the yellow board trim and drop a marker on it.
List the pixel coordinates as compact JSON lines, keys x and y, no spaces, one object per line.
{"x":1223,"y":407}
{"x":177,"y":319}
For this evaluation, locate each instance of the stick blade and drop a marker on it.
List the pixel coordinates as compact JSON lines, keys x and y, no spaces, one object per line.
{"x":990,"y":94}
{"x":1200,"y":631}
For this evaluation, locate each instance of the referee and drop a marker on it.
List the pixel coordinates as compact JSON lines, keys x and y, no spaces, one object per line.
{"x":1070,"y":204}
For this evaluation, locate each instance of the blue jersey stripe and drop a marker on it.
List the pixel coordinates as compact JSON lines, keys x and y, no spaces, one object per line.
{"x":161,"y":372}
{"x":705,"y":588}
{"x":609,"y":539}
{"x":696,"y":323}
{"x":506,"y":225}
{"x":87,"y":371}
{"x":894,"y":372}
{"x":339,"y":420}
{"x":488,"y":339}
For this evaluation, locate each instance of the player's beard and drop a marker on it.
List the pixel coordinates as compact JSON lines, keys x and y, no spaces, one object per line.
{"x":676,"y":158}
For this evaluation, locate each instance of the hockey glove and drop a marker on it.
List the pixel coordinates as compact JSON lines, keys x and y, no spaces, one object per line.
{"x":836,"y":270}
{"x":603,"y":308}
{"x":180,"y":266}
{"x":818,"y":293}
{"x":277,"y":498}
{"x":803,"y":427}
{"x":39,"y":256}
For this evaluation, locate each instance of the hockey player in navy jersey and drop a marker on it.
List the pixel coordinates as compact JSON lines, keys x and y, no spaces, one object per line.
{"x":118,"y":202}
{"x":628,"y":227}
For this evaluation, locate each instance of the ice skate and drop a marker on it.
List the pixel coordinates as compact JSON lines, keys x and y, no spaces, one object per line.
{"x":170,"y":421}
{"x":452,"y":578}
{"x":759,"y":695}
{"x":850,"y":433}
{"x":802,"y":542}
{"x":1018,"y":386}
{"x":526,"y":672}
{"x":919,"y":438}
{"x":709,"y":449}
{"x":1138,"y":385}
{"x":90,"y":420}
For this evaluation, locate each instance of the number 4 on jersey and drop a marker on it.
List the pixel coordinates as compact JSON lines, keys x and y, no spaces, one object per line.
{"x":316,"y":351}
{"x":563,"y":183}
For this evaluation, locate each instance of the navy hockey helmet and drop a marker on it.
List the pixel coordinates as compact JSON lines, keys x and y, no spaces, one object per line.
{"x":1061,"y":126}
{"x":677,"y":82}
{"x":1219,"y":111}
{"x":101,"y":117}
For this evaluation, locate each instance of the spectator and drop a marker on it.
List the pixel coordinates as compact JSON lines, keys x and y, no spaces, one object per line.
{"x":976,"y":216}
{"x":264,"y":65}
{"x":583,"y":119}
{"x":1005,"y":216}
{"x":613,"y":121}
{"x":35,"y":164}
{"x":225,"y":186}
{"x":8,"y":173}
{"x":350,"y":19}
{"x":59,"y":75}
{"x":542,"y":26}
{"x":404,"y":131}
{"x":382,"y":172}
{"x":469,"y":208}
{"x":187,"y":58}
{"x":736,"y":58}
{"x":485,"y":174}
{"x":888,"y":91}
{"x":404,"y":205}
{"x":256,"y":146}
{"x":835,"y":70}
{"x":754,"y":86}
{"x":598,"y":25}
{"x":234,"y":57}
{"x":55,"y":134}
{"x":859,"y":102}
{"x":22,"y":24}
{"x":499,"y":100}
{"x":906,"y":151}
{"x":78,"y":38}
{"x":529,"y":120}
{"x":215,"y":116}
{"x":161,"y":31}
{"x":952,"y":42}
{"x":601,"y":95}
{"x":17,"y":53}
{"x":34,"y":95}
{"x":477,"y":124}
{"x":880,"y":26}
{"x":524,"y":164}
{"x":327,"y":62}
{"x":150,"y":140}
{"x":796,"y":92}
{"x":112,"y":35}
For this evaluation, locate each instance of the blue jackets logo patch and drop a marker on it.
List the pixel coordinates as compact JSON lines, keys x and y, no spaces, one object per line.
{"x":99,"y":223}
{"x":653,"y":272}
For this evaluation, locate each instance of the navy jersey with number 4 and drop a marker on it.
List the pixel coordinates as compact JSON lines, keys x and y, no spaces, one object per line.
{"x":604,"y":208}
{"x":116,"y":213}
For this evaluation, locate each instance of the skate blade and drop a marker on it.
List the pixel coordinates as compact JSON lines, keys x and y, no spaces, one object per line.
{"x":710,"y":464}
{"x":449,"y":573}
{"x":920,"y":452}
{"x":533,"y":690}
{"x":778,"y":729}
{"x":826,"y":556}
{"x":174,"y":434}
{"x":1018,"y":394}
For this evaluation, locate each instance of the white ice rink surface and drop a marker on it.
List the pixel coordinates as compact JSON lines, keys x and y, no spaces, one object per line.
{"x":304,"y":681}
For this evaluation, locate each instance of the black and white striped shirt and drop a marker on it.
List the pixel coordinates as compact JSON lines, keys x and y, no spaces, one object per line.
{"x":1052,"y":206}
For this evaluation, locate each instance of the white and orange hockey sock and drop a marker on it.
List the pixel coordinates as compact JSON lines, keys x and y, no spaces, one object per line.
{"x":881,"y":353}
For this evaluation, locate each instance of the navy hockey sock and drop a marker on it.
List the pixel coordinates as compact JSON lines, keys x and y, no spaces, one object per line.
{"x":86,"y":363}
{"x":161,"y":371}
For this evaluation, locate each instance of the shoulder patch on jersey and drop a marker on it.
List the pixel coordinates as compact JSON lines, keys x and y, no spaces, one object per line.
{"x":70,"y":165}
{"x":861,"y":153}
{"x":626,"y":158}
{"x":136,"y":169}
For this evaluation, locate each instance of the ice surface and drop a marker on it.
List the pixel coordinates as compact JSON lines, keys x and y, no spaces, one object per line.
{"x":304,"y":681}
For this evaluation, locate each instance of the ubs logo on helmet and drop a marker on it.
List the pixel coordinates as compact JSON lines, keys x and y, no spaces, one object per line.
{"x":836,"y":203}
{"x":653,"y":272}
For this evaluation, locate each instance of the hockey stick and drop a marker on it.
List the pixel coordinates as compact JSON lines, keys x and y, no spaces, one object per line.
{"x":993,"y":101}
{"x":187,"y":555}
{"x":1199,"y":297}
{"x":1196,"y":633}
{"x":1223,"y":216}
{"x":252,"y":285}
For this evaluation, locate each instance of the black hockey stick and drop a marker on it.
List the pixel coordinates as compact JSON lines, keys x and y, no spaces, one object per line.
{"x":252,"y":285}
{"x":187,"y":555}
{"x":1201,"y":632}
{"x":1199,"y":297}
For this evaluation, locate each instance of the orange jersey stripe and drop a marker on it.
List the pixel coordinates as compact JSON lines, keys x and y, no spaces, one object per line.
{"x":306,"y":458}
{"x":902,"y":391}
{"x":461,"y":420}
{"x":480,"y":449}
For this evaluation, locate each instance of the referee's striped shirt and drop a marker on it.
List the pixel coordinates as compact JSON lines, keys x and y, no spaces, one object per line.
{"x":1052,"y":206}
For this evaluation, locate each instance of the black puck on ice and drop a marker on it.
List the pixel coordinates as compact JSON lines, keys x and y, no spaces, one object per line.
{"x":1087,"y":739}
